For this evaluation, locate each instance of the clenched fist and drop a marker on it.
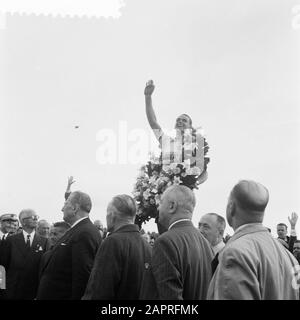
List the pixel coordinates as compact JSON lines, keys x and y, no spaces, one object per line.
{"x":149,"y":88}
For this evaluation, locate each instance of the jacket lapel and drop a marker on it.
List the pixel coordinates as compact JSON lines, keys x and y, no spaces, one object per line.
{"x":20,"y":244}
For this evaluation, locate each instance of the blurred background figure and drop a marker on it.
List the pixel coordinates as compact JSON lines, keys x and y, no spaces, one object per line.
{"x":57,"y":231}
{"x":8,"y":225}
{"x":152,"y":240}
{"x":146,"y":237}
{"x":296,"y":250}
{"x":43,"y":228}
{"x":212,"y":226}
{"x":99,"y":225}
{"x":284,"y":239}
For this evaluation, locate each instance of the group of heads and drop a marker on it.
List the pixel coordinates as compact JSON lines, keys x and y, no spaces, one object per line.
{"x":29,"y":221}
{"x":246,"y":204}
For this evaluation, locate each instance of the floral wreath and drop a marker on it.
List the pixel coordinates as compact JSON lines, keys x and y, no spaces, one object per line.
{"x":155,"y":177}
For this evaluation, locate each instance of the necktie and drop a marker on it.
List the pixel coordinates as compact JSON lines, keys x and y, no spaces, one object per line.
{"x":28,"y":241}
{"x":215,"y":263}
{"x":182,"y":160}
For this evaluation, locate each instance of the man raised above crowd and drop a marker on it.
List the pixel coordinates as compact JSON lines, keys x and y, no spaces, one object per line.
{"x":253,"y":265}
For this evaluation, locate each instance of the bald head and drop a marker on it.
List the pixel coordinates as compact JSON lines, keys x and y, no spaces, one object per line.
{"x":177,"y":202}
{"x":251,"y":195}
{"x":184,"y":197}
{"x":248,"y":200}
{"x":25,"y":213}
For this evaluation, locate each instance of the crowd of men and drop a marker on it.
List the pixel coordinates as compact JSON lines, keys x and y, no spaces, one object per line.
{"x":77,"y":259}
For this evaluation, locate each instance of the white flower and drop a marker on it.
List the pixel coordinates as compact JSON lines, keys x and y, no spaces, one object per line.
{"x":173,"y":165}
{"x":176,"y":170}
{"x":146,"y":194}
{"x":195,"y":171}
{"x":154,"y":190}
{"x":187,"y":163}
{"x":177,"y":181}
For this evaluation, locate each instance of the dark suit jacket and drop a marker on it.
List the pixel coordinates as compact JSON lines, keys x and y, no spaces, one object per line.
{"x":22,"y":265}
{"x":118,"y":269}
{"x":66,"y":272}
{"x":180,"y":265}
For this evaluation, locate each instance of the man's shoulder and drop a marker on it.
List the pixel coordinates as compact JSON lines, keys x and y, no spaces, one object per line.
{"x":85,"y":230}
{"x":14,"y":237}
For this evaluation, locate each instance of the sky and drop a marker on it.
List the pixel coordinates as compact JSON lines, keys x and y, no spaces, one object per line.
{"x":233,"y":66}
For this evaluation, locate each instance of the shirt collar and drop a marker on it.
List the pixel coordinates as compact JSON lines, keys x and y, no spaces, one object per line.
{"x":246,"y":225}
{"x":218,"y":247}
{"x":26,"y":233}
{"x":2,"y":234}
{"x":74,"y":224}
{"x":172,"y":224}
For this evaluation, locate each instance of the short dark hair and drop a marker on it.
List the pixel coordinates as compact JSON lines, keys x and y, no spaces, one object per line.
{"x":61,"y":224}
{"x":125,"y":205}
{"x":282,"y":224}
{"x":83,"y":199}
{"x":184,"y":114}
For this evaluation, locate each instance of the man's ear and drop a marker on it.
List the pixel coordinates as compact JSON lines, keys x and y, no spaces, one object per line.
{"x":232,"y":208}
{"x":173,"y":206}
{"x":76,"y":208}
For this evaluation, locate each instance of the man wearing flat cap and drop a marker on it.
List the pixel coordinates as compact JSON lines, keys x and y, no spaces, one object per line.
{"x":253,"y":265}
{"x":7,"y":225}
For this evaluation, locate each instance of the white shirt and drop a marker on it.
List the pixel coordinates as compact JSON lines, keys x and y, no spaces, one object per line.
{"x":3,"y":234}
{"x":171,"y":225}
{"x":31,"y":236}
{"x":74,"y":224}
{"x":218,"y":247}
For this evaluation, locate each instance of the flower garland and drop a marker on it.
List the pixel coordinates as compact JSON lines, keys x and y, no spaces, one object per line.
{"x":156,"y":176}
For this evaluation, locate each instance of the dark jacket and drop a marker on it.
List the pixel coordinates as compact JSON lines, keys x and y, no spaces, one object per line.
{"x":180,"y":266}
{"x":65,"y":272}
{"x":22,"y":265}
{"x":119,"y":265}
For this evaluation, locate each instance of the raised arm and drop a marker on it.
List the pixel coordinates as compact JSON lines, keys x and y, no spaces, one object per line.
{"x":68,"y":190}
{"x":293,"y":235}
{"x":150,"y":111}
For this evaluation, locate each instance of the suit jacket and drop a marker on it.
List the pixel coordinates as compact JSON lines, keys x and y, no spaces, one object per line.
{"x":22,"y":265}
{"x":253,"y":266}
{"x":118,"y":269}
{"x":65,"y":272}
{"x":180,"y":265}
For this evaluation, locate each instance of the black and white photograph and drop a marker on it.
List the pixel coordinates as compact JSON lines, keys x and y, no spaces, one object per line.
{"x":150,"y":153}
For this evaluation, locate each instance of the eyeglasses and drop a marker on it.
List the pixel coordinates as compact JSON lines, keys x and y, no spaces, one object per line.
{"x":32,"y":217}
